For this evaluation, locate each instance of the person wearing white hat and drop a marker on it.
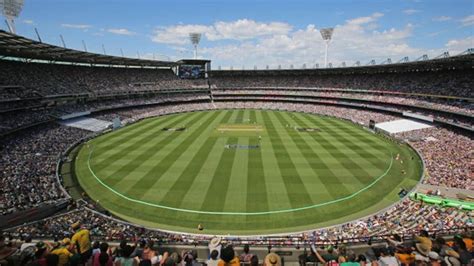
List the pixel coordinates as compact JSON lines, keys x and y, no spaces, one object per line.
{"x":215,"y":244}
{"x":434,"y":258}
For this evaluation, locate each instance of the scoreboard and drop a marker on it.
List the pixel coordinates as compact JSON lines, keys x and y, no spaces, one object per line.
{"x":193,"y":68}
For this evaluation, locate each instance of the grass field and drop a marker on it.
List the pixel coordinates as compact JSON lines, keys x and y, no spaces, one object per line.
{"x":274,"y":179}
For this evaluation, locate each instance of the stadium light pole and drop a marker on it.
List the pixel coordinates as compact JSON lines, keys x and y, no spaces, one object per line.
{"x":11,"y":9}
{"x":195,"y":39}
{"x":38,"y":35}
{"x":62,"y":40}
{"x":327,"y":36}
{"x":84,"y":45}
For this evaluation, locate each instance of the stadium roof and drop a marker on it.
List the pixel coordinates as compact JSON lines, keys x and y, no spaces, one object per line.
{"x":462,"y":61}
{"x":12,"y":45}
{"x":193,"y":61}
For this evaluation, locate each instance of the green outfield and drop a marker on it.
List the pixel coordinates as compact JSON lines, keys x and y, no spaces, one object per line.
{"x":244,"y":172}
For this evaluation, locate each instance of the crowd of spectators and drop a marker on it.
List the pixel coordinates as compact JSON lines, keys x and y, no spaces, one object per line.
{"x":28,"y":166}
{"x":447,"y":156}
{"x":34,"y":88}
{"x":463,"y":107}
{"x":18,"y":119}
{"x":408,"y":218}
{"x":54,"y":79}
{"x":450,"y":82}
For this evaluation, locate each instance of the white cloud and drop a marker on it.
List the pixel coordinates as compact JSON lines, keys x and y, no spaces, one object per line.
{"x":442,"y":18}
{"x":277,"y":43}
{"x":468,"y":21}
{"x":76,"y":26}
{"x":242,"y":29}
{"x":29,"y":22}
{"x":121,"y":31}
{"x":410,"y":11}
{"x":364,"y":20}
{"x":246,"y":29}
{"x":178,"y":34}
{"x":457,"y":46}
{"x":355,"y":40}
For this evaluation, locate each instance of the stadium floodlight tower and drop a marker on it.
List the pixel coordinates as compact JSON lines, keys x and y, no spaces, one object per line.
{"x":195,"y":39}
{"x":11,"y":9}
{"x":327,"y":36}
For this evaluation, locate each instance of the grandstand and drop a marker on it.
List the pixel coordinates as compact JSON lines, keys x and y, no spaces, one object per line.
{"x":54,"y":100}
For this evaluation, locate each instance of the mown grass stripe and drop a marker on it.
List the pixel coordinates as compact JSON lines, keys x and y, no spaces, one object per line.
{"x":351,"y":141}
{"x":122,"y":136}
{"x":335,"y":187}
{"x":337,"y":175}
{"x":257,"y":199}
{"x":358,"y":132}
{"x":124,"y":147}
{"x":277,"y":193}
{"x":346,"y":161}
{"x":181,"y":186}
{"x":216,"y":194}
{"x":303,"y":169}
{"x":297,"y":192}
{"x":152,"y":148}
{"x":212,"y":164}
{"x":153,"y":175}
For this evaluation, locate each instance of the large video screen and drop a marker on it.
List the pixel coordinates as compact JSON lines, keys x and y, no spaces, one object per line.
{"x":191,"y":71}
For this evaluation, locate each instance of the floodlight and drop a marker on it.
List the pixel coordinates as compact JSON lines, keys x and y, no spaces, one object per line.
{"x":327,"y":36}
{"x":11,"y":9}
{"x":195,"y":39}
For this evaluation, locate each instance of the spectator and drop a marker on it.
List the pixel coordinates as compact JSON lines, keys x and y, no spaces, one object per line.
{"x":63,"y":252}
{"x":102,"y":258}
{"x":228,"y":257}
{"x":272,"y":259}
{"x":81,"y":242}
{"x":213,"y":258}
{"x":246,"y":255}
{"x":126,"y":259}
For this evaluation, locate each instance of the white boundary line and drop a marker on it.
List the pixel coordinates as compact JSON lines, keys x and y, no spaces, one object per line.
{"x":236,"y":213}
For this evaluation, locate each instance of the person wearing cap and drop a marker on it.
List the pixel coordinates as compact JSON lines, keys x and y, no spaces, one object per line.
{"x":272,"y":259}
{"x":228,"y":257}
{"x":63,"y":252}
{"x":328,"y":256}
{"x":42,"y":250}
{"x":81,"y":242}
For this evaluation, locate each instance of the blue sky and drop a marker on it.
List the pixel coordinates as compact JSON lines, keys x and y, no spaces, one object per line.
{"x":263,"y":32}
